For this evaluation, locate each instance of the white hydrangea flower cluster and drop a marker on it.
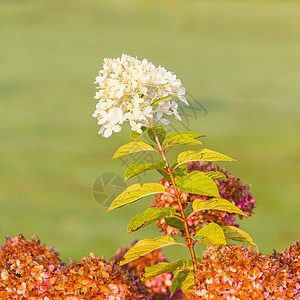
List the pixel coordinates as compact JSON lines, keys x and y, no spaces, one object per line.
{"x":128,"y":88}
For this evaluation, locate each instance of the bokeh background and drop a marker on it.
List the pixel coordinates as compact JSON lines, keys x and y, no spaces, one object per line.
{"x":240,"y":61}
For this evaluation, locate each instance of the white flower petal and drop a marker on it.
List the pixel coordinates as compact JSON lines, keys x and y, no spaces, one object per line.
{"x":107,"y":132}
{"x":116,"y":128}
{"x":127,"y":86}
{"x":164,"y":121}
{"x":177,"y":117}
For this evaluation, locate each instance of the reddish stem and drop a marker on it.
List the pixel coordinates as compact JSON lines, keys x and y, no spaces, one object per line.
{"x":178,"y":199}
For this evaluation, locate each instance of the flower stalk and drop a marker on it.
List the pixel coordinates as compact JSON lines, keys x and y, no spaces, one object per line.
{"x":178,"y":199}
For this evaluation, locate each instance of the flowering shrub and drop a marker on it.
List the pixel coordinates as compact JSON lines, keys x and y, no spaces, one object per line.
{"x":236,"y":272}
{"x":290,"y":258}
{"x":159,"y":286}
{"x":231,"y":189}
{"x":128,"y":90}
{"x":137,"y":91}
{"x":28,"y":269}
{"x":96,"y":278}
{"x":32,"y":271}
{"x":194,"y":198}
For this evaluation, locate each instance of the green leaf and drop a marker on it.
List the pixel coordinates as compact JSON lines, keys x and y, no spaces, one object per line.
{"x":149,"y":216}
{"x":218,"y":204}
{"x":135,"y":135}
{"x":182,"y":138}
{"x":187,"y":283}
{"x":174,"y":222}
{"x":160,"y":132}
{"x":197,"y":183}
{"x":178,"y":172}
{"x":216,"y":175}
{"x":132,"y":147}
{"x":160,"y":100}
{"x":139,"y":168}
{"x":145,"y":246}
{"x":183,"y":134}
{"x":203,"y":155}
{"x":152,"y":271}
{"x":236,"y":234}
{"x":188,"y":210}
{"x":164,"y":174}
{"x":211,"y":234}
{"x":135,"y":192}
{"x":182,"y":280}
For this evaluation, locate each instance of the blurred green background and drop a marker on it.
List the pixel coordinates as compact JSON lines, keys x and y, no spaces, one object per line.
{"x":239,"y":59}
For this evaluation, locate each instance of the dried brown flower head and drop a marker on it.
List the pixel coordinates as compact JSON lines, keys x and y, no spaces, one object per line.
{"x":96,"y":278}
{"x":28,"y":269}
{"x":32,"y":271}
{"x":236,"y":272}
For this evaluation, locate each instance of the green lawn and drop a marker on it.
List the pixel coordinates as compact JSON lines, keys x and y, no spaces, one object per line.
{"x":239,"y":59}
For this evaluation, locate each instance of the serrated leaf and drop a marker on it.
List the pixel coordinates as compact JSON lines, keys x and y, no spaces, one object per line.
{"x":145,"y":246}
{"x":216,"y":203}
{"x":197,"y":183}
{"x":149,"y":216}
{"x":182,"y":138}
{"x":202,"y":155}
{"x":174,"y":222}
{"x":139,"y":168}
{"x":182,"y":280}
{"x":135,"y":135}
{"x":211,"y":234}
{"x":160,"y":100}
{"x":236,"y":234}
{"x":135,"y":192}
{"x":132,"y":147}
{"x":160,"y":132}
{"x":216,"y":175}
{"x":152,"y":271}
